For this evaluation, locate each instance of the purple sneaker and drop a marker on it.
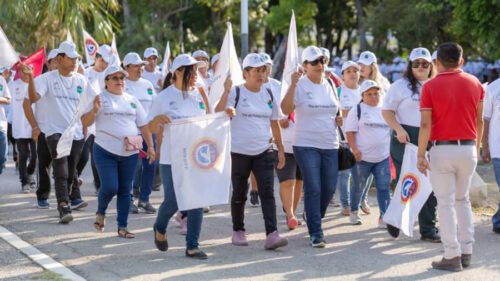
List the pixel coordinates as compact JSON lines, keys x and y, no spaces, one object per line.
{"x":274,"y":241}
{"x":239,"y":238}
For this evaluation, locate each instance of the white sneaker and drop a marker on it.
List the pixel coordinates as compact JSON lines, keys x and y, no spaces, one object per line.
{"x":354,"y":218}
{"x":381,"y":223}
{"x":26,"y":188}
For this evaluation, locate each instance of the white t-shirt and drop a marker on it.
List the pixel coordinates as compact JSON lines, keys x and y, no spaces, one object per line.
{"x":492,"y":113}
{"x":96,"y":79}
{"x":4,"y":93}
{"x":120,"y":116}
{"x":372,"y":133}
{"x":404,"y":102}
{"x":173,"y":103}
{"x":143,"y":90}
{"x":21,"y":128}
{"x":153,"y":77}
{"x":251,"y":127}
{"x":348,"y":97}
{"x":316,"y":107}
{"x":62,"y":95}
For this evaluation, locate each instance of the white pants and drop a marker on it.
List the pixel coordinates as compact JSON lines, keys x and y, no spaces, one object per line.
{"x":451,"y":172}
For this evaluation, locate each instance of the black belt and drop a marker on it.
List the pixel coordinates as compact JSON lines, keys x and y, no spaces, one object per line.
{"x":455,"y":142}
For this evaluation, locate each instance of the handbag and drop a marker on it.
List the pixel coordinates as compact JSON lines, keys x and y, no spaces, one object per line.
{"x":133,"y":143}
{"x":346,"y":157}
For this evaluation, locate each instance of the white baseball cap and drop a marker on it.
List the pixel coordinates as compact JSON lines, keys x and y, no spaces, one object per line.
{"x":367,"y":85}
{"x":420,"y":53}
{"x":185,"y":60}
{"x":253,"y":60}
{"x":133,"y":58}
{"x":367,"y":58}
{"x":311,"y":53}
{"x":348,"y":64}
{"x":215,"y":58}
{"x":200,"y":53}
{"x":69,"y":49}
{"x":434,"y":55}
{"x":114,"y":69}
{"x":150,"y":52}
{"x":53,"y":54}
{"x":104,"y":50}
{"x":325,"y":52}
{"x":3,"y":68}
{"x":267,"y":58}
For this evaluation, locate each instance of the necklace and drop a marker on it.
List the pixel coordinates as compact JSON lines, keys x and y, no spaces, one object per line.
{"x":64,"y":83}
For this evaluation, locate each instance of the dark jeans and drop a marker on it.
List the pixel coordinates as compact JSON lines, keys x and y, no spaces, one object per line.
{"x":44,"y":164}
{"x":27,"y":150}
{"x":88,"y":152}
{"x":144,"y":175}
{"x":496,"y":218}
{"x":262,"y":166}
{"x":64,"y":169}
{"x":11,"y":140}
{"x":427,"y":215}
{"x":3,"y":150}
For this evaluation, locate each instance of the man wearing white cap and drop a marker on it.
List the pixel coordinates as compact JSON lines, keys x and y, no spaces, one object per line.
{"x":61,"y":89}
{"x":4,"y":99}
{"x":152,"y":72}
{"x":213,"y":64}
{"x":95,"y":74}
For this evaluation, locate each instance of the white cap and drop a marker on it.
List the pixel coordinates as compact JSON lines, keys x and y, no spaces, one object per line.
{"x":114,"y":69}
{"x":3,"y":68}
{"x":348,"y":64}
{"x":104,"y":50}
{"x":267,"y":58}
{"x":185,"y":60}
{"x":311,"y":53}
{"x":367,"y":85}
{"x":69,"y":49}
{"x":367,"y":58}
{"x":420,"y":53}
{"x":200,"y":53}
{"x":53,"y":54}
{"x":434,"y":55}
{"x":253,"y":60}
{"x":325,"y":52}
{"x":150,"y":52}
{"x":215,"y":58}
{"x":132,"y":58}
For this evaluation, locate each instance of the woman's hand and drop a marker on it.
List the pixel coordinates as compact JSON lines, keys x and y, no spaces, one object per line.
{"x":162,"y":119}
{"x":228,"y":83}
{"x":151,"y":154}
{"x":281,"y":159}
{"x":97,"y":104}
{"x":402,"y":136}
{"x":295,"y":77}
{"x":231,"y":112}
{"x":357,"y":154}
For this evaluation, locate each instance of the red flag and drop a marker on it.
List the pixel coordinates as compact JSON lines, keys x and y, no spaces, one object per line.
{"x":35,"y":61}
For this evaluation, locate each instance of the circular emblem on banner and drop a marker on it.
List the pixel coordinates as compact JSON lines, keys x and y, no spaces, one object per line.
{"x":91,"y":47}
{"x":410,"y":186}
{"x":205,"y":154}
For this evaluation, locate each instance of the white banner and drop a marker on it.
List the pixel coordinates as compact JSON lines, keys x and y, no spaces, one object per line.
{"x":201,"y":160}
{"x":116,"y":57}
{"x":91,"y":47}
{"x":292,"y":57}
{"x":164,"y":63}
{"x":411,"y":192}
{"x":8,"y":56}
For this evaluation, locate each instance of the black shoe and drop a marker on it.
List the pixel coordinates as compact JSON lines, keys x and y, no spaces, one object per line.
{"x":466,"y":260}
{"x":496,"y":230}
{"x":197,"y":254}
{"x":65,"y":214}
{"x":160,"y":245}
{"x":433,"y":239}
{"x":254,"y":198}
{"x":393,"y":231}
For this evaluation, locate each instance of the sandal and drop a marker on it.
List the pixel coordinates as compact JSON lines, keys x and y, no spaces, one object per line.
{"x":196,"y":254}
{"x":99,"y":222}
{"x":124,"y":233}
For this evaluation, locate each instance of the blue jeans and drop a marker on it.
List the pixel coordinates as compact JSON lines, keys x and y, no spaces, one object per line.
{"x":343,"y":185}
{"x":319,"y":168}
{"x":496,"y":218}
{"x":144,"y":175}
{"x":116,"y":174}
{"x":169,"y":206}
{"x":3,"y":150}
{"x":381,"y":171}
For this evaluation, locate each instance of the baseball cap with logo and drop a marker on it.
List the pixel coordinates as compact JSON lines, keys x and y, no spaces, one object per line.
{"x":150,"y":52}
{"x":348,"y":64}
{"x":367,"y":58}
{"x":132,"y":58}
{"x":53,"y":54}
{"x":367,"y":85}
{"x":253,"y":60}
{"x":185,"y":60}
{"x":311,"y":53}
{"x":420,"y":53}
{"x":105,"y":52}
{"x":68,"y":48}
{"x":267,"y":58}
{"x":114,"y":69}
{"x":200,"y":54}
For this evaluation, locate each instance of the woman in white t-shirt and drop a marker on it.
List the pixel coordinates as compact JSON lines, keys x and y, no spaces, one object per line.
{"x":369,"y":138}
{"x":316,"y":143}
{"x":253,"y":130}
{"x":401,"y":111}
{"x":118,"y":116}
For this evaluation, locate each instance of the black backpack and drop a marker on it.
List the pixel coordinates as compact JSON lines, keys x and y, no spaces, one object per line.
{"x":237,"y":98}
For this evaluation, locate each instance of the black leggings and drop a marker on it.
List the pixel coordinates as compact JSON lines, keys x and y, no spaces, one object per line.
{"x":88,"y":152}
{"x":27,"y":150}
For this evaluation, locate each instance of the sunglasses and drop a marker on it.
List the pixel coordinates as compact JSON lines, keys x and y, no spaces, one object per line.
{"x":116,"y":78}
{"x":417,"y":64}
{"x":315,"y":62}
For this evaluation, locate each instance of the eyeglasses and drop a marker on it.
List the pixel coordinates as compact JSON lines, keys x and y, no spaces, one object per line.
{"x":116,"y":78}
{"x":315,"y":62}
{"x":417,"y":64}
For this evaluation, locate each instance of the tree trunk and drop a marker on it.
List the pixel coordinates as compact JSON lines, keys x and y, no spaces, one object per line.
{"x":363,"y":45}
{"x":126,"y":17}
{"x":279,"y":59}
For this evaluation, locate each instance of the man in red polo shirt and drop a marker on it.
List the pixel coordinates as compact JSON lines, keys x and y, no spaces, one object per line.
{"x":451,"y":107}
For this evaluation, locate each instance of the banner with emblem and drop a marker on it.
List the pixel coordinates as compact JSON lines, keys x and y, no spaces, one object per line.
{"x":410,"y":195}
{"x":91,"y":47}
{"x":201,"y":160}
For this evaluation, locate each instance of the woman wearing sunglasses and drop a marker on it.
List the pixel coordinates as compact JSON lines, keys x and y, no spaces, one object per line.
{"x":315,"y":144}
{"x":401,"y":110}
{"x":117,"y":115}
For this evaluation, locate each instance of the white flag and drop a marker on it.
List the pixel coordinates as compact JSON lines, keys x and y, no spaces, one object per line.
{"x":8,"y":55}
{"x":411,"y":193}
{"x":228,"y":64}
{"x":91,"y":47}
{"x":116,"y":57}
{"x":166,"y":58}
{"x":201,"y":160}
{"x":69,"y":37}
{"x":292,"y":57}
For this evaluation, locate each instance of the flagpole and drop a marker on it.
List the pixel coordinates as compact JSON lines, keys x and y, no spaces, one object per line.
{"x":244,"y":28}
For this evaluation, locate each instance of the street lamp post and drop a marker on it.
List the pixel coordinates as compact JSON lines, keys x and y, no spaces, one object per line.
{"x":244,"y":28}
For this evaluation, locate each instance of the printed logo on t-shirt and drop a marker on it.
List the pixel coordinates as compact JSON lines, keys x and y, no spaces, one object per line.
{"x":1,"y":87}
{"x":133,"y":105}
{"x":79,"y":89}
{"x":150,"y":91}
{"x":202,"y":105}
{"x":270,"y":104}
{"x":309,"y":95}
{"x":244,"y":102}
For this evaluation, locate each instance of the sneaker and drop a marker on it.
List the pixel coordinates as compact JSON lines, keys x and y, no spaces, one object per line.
{"x":346,"y":211}
{"x":465,"y":258}
{"x":254,"y":198}
{"x":381,"y":223}
{"x":42,"y":204}
{"x":65,"y":214}
{"x":292,"y":223}
{"x":31,"y":181}
{"x":26,"y":188}
{"x":184,"y":226}
{"x":78,"y":204}
{"x":239,"y":238}
{"x":196,"y":254}
{"x":365,"y":207}
{"x":453,"y":264}
{"x":318,"y":242}
{"x":146,"y":207}
{"x":354,"y":218}
{"x":275,"y":241}
{"x":133,"y":209}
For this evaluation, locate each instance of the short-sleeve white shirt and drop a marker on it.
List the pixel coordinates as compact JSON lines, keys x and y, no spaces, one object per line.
{"x":21,"y":128}
{"x":404,"y":102}
{"x":492,"y":113}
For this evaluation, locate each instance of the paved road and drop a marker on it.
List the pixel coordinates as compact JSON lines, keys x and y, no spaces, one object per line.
{"x":353,"y":252}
